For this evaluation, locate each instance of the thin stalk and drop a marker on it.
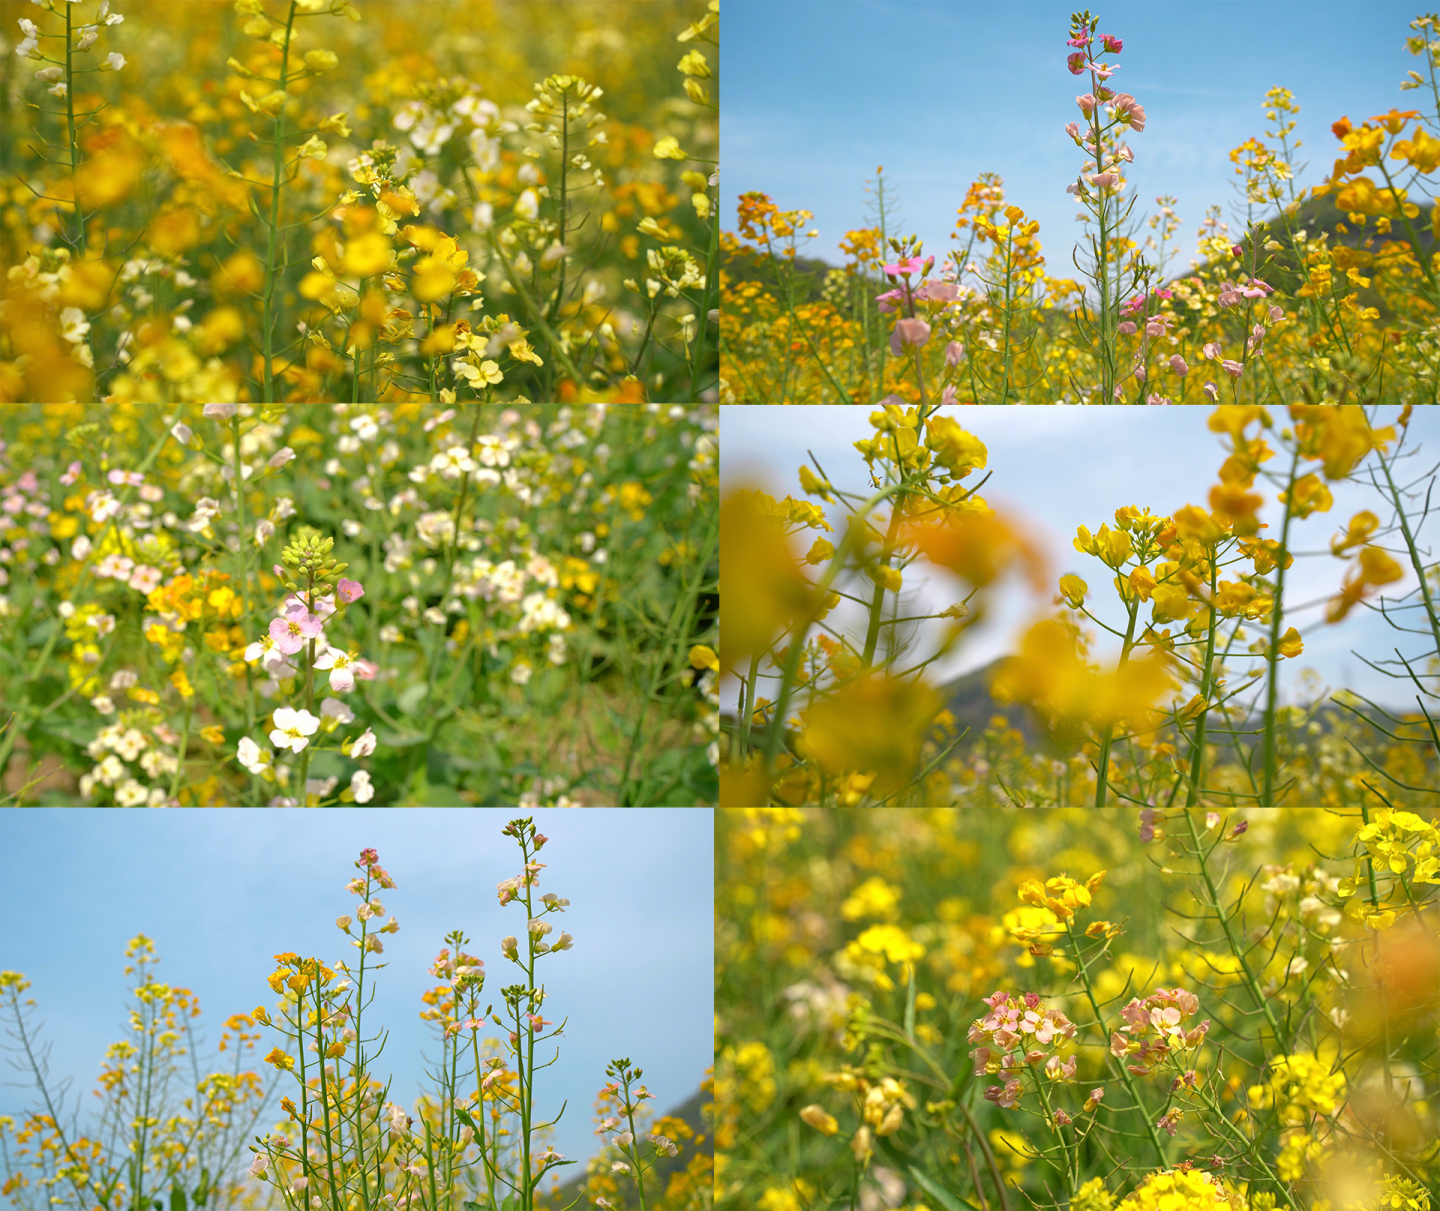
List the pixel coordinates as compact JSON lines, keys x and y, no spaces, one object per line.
{"x":272,"y":248}
{"x":1102,"y":769}
{"x":1272,"y":655}
{"x":1197,"y":758}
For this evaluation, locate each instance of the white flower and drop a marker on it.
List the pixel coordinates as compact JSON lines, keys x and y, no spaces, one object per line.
{"x":453,"y":463}
{"x":520,"y":674}
{"x":114,"y":61}
{"x":206,"y":508}
{"x":220,"y":411}
{"x":253,"y":757}
{"x":527,"y":206}
{"x":106,"y":16}
{"x":264,"y":531}
{"x":104,"y":704}
{"x":342,"y":669}
{"x":89,"y":35}
{"x":365,"y":745}
{"x":73,"y":325}
{"x":45,"y":75}
{"x":293,"y":728}
{"x":183,"y":433}
{"x":58,"y":90}
{"x":360,"y":785}
{"x":130,"y":794}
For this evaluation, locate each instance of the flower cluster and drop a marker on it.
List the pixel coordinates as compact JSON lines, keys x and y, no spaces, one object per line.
{"x":1155,"y":1029}
{"x":1024,"y":1032}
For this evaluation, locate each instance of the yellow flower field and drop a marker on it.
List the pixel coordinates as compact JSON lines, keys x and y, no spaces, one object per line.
{"x":319,"y":200}
{"x":1106,"y":1011}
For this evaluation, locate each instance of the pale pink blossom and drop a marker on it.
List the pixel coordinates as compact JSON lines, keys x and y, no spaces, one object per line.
{"x":1086,"y":103}
{"x":1112,"y":44}
{"x":1104,"y":180}
{"x":1125,"y":329}
{"x":1127,"y":109}
{"x":1212,"y":351}
{"x":1005,"y":1097}
{"x":220,"y":411}
{"x":1178,"y":366}
{"x":1233,"y":369}
{"x":280,"y":458}
{"x":1076,"y":63}
{"x":365,"y":745}
{"x":145,"y":579}
{"x":349,"y":590}
{"x":908,"y":333}
{"x":292,"y":632}
{"x":72,"y":473}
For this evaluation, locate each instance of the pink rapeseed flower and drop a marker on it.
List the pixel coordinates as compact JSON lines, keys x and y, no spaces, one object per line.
{"x":349,"y":590}
{"x":1086,"y":103}
{"x":1104,"y":180}
{"x":293,"y":631}
{"x":912,"y":265}
{"x":1076,"y":62}
{"x":907,"y":333}
{"x":1005,"y":1097}
{"x":1233,"y":369}
{"x":890,"y":299}
{"x":1177,"y":364}
{"x":1127,"y":109}
{"x":1112,"y":44}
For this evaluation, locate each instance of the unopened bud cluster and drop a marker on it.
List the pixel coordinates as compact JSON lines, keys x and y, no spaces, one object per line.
{"x":308,"y":555}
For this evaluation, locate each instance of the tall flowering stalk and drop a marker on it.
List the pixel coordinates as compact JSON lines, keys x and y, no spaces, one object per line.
{"x":273,"y":105}
{"x":166,"y":1133}
{"x":1108,"y":116}
{"x":352,"y":1144}
{"x":318,"y":591}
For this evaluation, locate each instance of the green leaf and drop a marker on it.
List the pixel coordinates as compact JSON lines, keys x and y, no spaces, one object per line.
{"x":938,"y":1192}
{"x":412,"y":697}
{"x":464,"y":1117}
{"x":177,"y":1198}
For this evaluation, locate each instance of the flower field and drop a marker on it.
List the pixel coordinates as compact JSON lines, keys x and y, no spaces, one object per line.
{"x":1102,"y":1010}
{"x":304,"y":605}
{"x":1328,"y":293}
{"x":313,"y":1122}
{"x":838,"y":602}
{"x":320,"y":200}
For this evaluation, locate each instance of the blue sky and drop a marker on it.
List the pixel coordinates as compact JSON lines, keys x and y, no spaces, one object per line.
{"x":222,"y":892}
{"x":1061,"y":466}
{"x":820,"y":92}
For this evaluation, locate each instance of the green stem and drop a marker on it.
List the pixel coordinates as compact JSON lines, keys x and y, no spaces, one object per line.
{"x":1102,"y":771}
{"x":1272,"y":655}
{"x":1197,"y":758}
{"x":268,"y":332}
